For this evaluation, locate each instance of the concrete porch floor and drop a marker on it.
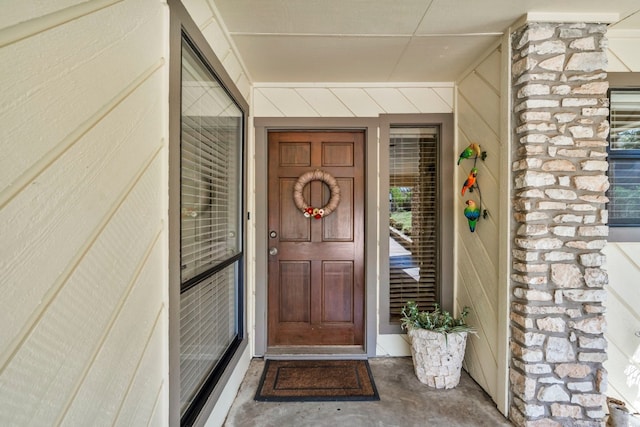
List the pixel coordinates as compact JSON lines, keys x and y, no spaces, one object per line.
{"x":404,"y":401}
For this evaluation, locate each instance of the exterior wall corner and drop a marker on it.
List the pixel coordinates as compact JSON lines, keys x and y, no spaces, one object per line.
{"x":560,"y":111}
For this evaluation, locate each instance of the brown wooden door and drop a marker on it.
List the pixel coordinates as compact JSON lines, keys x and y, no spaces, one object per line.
{"x":316,"y":278}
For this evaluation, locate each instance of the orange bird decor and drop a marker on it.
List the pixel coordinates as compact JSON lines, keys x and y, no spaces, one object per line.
{"x":471,"y":179}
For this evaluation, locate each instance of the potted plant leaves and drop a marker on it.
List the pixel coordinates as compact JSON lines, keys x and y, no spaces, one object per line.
{"x":438,"y":341}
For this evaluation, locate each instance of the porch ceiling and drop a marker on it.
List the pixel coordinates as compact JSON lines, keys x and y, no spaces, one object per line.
{"x":383,"y":40}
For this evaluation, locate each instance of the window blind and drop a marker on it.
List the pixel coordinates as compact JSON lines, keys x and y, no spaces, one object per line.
{"x":205,"y":330}
{"x":624,"y":158}
{"x":625,"y":120}
{"x":210,"y":228}
{"x":209,"y":205}
{"x":413,"y":221}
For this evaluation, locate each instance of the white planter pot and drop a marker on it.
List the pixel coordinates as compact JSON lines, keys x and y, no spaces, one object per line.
{"x":437,"y":358}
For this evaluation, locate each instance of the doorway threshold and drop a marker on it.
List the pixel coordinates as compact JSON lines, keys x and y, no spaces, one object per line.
{"x":310,"y":352}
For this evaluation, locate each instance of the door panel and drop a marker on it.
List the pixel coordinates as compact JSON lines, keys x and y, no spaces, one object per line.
{"x":294,"y":291}
{"x":292,"y":227}
{"x":339,"y":225}
{"x":337,"y":281}
{"x":316,"y":266}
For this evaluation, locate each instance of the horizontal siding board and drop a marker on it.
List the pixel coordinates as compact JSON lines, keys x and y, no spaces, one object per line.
{"x":199,"y":10}
{"x":325,"y":102}
{"x":289,"y":102}
{"x":26,"y":10}
{"x":57,"y":351}
{"x":621,"y":325}
{"x":481,"y":363}
{"x":69,"y":78}
{"x":333,"y":101}
{"x":73,"y":196}
{"x":473,"y":365}
{"x":430,"y":100}
{"x":244,"y":86}
{"x":232,"y":66}
{"x":263,"y":107}
{"x":214,"y":35}
{"x":490,"y":70}
{"x":481,"y":295}
{"x":105,"y":385}
{"x":625,"y":49}
{"x":358,"y":102}
{"x":392,"y":100}
{"x":617,"y":380}
{"x":623,"y":318}
{"x":484,"y":99}
{"x":447,"y":94}
{"x":143,"y":398}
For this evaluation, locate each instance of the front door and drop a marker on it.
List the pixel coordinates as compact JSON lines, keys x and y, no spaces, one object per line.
{"x":316,"y":266}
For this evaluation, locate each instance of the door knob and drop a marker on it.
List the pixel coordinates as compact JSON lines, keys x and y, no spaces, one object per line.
{"x":273,"y":251}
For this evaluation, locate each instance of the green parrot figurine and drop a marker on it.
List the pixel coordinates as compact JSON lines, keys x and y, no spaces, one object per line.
{"x":472,"y":150}
{"x":471,"y":179}
{"x":472,"y":213}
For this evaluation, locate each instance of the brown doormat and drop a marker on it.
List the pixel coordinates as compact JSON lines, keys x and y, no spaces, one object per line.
{"x":316,"y":380}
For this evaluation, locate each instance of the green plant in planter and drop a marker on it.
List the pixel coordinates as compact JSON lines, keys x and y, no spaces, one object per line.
{"x":438,"y":341}
{"x":435,"y":320}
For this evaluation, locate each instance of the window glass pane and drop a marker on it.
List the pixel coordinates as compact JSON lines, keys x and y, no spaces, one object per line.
{"x":210,"y":177}
{"x":624,"y":158}
{"x":625,"y":120}
{"x":413,"y":219}
{"x":624,"y":192}
{"x":211,"y":191}
{"x":207,"y":329}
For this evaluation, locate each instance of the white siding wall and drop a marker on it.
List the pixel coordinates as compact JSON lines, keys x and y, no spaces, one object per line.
{"x":623,"y":319}
{"x":481,"y":119}
{"x":206,"y":17}
{"x":623,"y":261}
{"x":623,"y":50}
{"x":350,"y":100}
{"x":82,"y":212}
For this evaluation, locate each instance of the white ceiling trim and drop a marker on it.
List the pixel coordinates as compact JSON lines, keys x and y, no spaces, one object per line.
{"x":603,"y":18}
{"x":354,"y":85}
{"x":248,"y":33}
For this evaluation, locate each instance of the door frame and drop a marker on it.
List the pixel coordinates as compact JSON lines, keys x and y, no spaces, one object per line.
{"x":262,"y":126}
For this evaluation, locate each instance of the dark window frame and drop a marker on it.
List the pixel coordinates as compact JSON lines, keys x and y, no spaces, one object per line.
{"x":446,"y":192}
{"x":181,"y":25}
{"x":621,"y":232}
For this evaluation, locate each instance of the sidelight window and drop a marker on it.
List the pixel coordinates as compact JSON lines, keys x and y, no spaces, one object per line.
{"x":413,"y":217}
{"x":416,"y":220}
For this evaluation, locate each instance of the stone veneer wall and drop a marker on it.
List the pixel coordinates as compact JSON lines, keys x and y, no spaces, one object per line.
{"x":560,"y":119}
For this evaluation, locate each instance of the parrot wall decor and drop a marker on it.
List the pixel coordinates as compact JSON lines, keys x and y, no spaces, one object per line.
{"x":472,"y":151}
{"x":472,"y":213}
{"x":470,"y":181}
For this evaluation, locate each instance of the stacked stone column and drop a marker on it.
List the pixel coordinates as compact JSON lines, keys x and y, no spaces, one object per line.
{"x":560,"y":112}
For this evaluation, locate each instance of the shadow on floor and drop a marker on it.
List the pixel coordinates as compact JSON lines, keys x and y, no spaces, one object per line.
{"x":404,"y":401}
